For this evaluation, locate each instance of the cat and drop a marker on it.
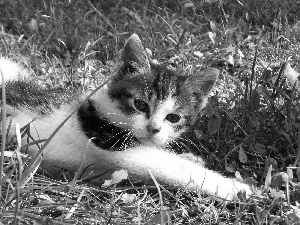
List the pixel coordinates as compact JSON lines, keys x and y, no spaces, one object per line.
{"x":128,"y":124}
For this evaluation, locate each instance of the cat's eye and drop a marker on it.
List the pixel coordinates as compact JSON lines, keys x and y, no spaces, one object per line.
{"x":141,"y":105}
{"x":173,"y":118}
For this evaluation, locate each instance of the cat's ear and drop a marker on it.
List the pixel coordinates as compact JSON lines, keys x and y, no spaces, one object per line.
{"x":200,"y":85}
{"x":134,"y":56}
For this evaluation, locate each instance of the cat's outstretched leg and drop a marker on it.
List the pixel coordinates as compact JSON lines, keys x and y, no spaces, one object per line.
{"x":177,"y":171}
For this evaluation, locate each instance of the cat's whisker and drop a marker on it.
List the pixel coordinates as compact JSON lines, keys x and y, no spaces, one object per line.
{"x":179,"y":142}
{"x":120,"y":135}
{"x":193,"y":143}
{"x":114,"y":145}
{"x":114,"y":123}
{"x":189,"y":141}
{"x":119,"y":123}
{"x":118,"y":114}
{"x":168,"y":146}
{"x":124,"y":141}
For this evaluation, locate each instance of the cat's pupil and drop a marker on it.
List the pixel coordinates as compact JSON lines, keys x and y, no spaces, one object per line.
{"x":173,"y":118}
{"x":141,"y":105}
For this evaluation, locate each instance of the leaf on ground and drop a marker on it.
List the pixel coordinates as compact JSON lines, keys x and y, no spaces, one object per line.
{"x":213,"y":26}
{"x":212,"y":37}
{"x":116,"y":178}
{"x":277,"y":194}
{"x":290,"y":174}
{"x":188,"y":4}
{"x":268,"y":177}
{"x":214,"y":123}
{"x":238,"y":176}
{"x":128,"y":198}
{"x":279,"y":180}
{"x":242,"y":155}
{"x":198,"y":54}
{"x":291,"y":74}
{"x":229,"y":169}
{"x":249,"y":180}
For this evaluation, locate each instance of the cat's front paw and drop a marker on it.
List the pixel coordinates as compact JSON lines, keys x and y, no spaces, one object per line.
{"x":243,"y":191}
{"x":235,"y":191}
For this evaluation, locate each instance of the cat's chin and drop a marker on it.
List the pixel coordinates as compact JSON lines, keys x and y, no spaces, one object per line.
{"x":149,"y":142}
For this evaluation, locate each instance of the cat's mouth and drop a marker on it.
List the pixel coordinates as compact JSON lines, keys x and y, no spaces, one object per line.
{"x":147,"y":141}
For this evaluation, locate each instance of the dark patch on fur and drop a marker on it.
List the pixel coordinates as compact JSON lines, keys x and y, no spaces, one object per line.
{"x":104,"y":134}
{"x":33,"y":97}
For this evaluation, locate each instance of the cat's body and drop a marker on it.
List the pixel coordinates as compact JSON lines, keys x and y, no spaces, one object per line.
{"x":128,"y":124}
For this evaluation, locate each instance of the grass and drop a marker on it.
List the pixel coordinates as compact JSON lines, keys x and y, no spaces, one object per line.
{"x":251,"y":123}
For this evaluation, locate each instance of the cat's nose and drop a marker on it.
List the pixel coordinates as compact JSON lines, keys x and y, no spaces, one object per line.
{"x":153,"y":129}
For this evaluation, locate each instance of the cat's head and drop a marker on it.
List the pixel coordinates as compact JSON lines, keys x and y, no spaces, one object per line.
{"x":162,"y":103}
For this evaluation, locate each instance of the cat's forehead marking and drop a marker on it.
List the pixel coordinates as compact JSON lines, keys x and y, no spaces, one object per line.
{"x":165,"y":107}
